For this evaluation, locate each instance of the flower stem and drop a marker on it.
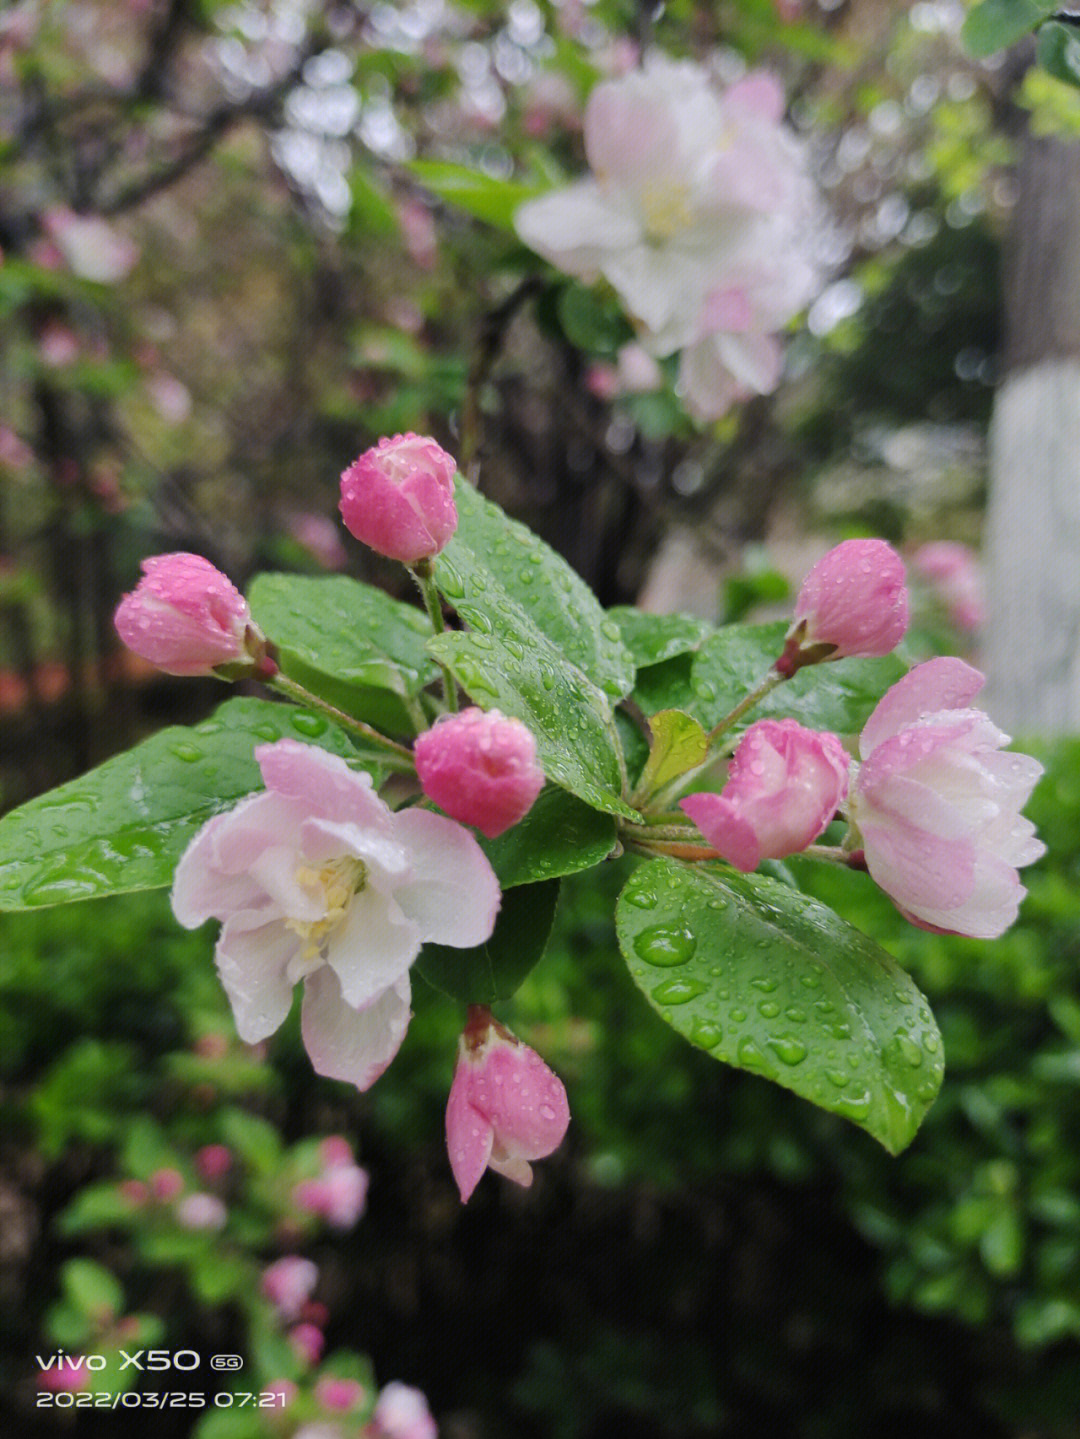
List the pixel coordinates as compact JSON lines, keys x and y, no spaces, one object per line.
{"x":422,"y":574}
{"x":297,"y":692}
{"x":767,"y":685}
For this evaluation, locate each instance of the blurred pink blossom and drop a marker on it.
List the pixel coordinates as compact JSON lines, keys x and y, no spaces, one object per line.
{"x":288,"y":1283}
{"x":953,"y":571}
{"x":403,"y":1413}
{"x":321,"y":537}
{"x":92,"y":248}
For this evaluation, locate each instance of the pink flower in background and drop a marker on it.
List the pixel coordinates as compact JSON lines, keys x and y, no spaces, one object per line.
{"x":166,"y":1184}
{"x":288,"y":1284}
{"x":480,"y":768}
{"x":418,"y":231}
{"x":321,"y":537}
{"x":398,"y":498}
{"x":58,"y":345}
{"x":937,"y":804}
{"x":338,"y":1195}
{"x":15,"y":453}
{"x":403,"y":1413}
{"x":213,"y":1161}
{"x":784,"y":786}
{"x":953,"y":571}
{"x":307,"y":1342}
{"x":91,"y":247}
{"x":339,"y":1394}
{"x":317,"y":880}
{"x":201,"y":1211}
{"x":64,"y":1377}
{"x":506,"y":1107}
{"x":854,"y":602}
{"x":185,"y":616}
{"x":702,"y":216}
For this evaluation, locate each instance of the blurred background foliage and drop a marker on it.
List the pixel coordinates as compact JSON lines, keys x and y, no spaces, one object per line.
{"x":291,"y":267}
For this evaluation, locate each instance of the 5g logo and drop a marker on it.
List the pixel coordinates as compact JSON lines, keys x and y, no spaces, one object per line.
{"x":226,"y":1361}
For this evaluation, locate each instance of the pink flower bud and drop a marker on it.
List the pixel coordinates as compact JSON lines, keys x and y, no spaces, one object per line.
{"x":398,"y":498}
{"x":65,"y":1376}
{"x":287,"y":1284}
{"x":213,"y":1161}
{"x":339,"y":1394}
{"x":338,"y":1195}
{"x":506,"y":1107}
{"x":480,"y":768}
{"x":403,"y":1413}
{"x":854,"y":602}
{"x":937,"y":804}
{"x":307,"y":1343}
{"x":134,"y":1191}
{"x":201,"y":1211}
{"x":166,"y":1184}
{"x":336,"y":1150}
{"x":184,"y":616}
{"x":284,"y":1388}
{"x":784,"y":786}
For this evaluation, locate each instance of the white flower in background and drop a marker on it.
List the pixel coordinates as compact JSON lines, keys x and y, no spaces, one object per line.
{"x":700,"y":213}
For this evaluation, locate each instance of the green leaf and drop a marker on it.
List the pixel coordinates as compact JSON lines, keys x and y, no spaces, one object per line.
{"x":651,"y":639}
{"x":838,"y":695}
{"x":1058,"y":52}
{"x":124,"y":825}
{"x":489,"y":199}
{"x":92,"y":1289}
{"x":666,"y":686}
{"x":349,"y":643}
{"x":770,"y":981}
{"x":555,"y":598}
{"x":494,"y":970}
{"x":679,"y":744}
{"x":559,"y":835}
{"x":997,"y":24}
{"x":590,"y":323}
{"x":254,"y":1139}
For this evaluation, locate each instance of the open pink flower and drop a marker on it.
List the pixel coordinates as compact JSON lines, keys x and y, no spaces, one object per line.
{"x":854,"y":602}
{"x":506,"y":1107}
{"x":65,"y":1376}
{"x":937,"y":804}
{"x":784,"y":786}
{"x":316,"y":879}
{"x":480,"y":768}
{"x":398,"y":498}
{"x":185,"y":616}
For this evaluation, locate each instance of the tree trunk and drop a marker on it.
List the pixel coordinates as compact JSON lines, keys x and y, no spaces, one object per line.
{"x":1032,"y":649}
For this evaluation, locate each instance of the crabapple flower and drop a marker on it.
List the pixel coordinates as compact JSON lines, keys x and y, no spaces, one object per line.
{"x":307,"y":1342}
{"x":317,"y":880}
{"x":90,"y":246}
{"x":65,"y":1376}
{"x":338,"y":1195}
{"x":700,"y":213}
{"x":506,"y":1107}
{"x":936,"y":805}
{"x":186,"y":617}
{"x":201,"y":1211}
{"x":398,"y":498}
{"x":953,"y":571}
{"x":288,"y":1284}
{"x":784,"y":786}
{"x":854,"y":602}
{"x":480,"y":768}
{"x":213,"y":1161}
{"x":403,"y":1413}
{"x":339,"y":1394}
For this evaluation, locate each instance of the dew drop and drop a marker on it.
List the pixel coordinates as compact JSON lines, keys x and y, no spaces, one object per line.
{"x":788,"y":1049}
{"x":678,"y":991}
{"x":311,"y":725}
{"x":665,"y":946}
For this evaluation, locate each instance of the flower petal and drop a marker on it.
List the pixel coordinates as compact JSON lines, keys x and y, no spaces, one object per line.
{"x":939,"y":684}
{"x":372,"y":949}
{"x":454,"y":896}
{"x":469,"y":1137}
{"x":323,"y":781}
{"x":252,"y":957}
{"x":345,"y":1043}
{"x":200,"y":890}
